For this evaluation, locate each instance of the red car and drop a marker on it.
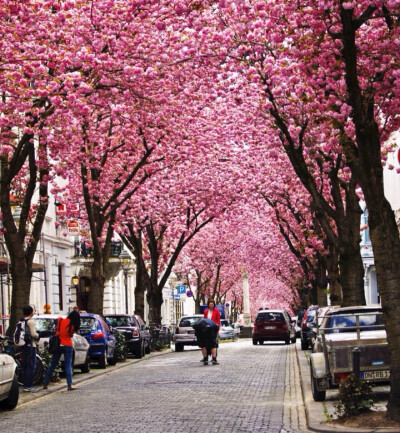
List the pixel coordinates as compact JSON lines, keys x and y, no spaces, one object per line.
{"x":273,"y":325}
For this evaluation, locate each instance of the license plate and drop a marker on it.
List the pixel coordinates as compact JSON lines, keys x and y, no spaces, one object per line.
{"x":382,"y":374}
{"x":269,"y":327}
{"x":190,"y":332}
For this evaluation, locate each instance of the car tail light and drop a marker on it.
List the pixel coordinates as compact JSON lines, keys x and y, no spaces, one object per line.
{"x":340,"y":376}
{"x":177,"y":330}
{"x":135,"y":333}
{"x":98,"y":334}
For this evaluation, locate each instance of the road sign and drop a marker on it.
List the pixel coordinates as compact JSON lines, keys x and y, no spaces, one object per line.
{"x":189,"y":293}
{"x":181,"y":288}
{"x":177,"y":297}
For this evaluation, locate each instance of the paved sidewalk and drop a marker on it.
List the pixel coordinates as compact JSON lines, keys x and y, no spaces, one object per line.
{"x":26,"y":397}
{"x":315,"y":411}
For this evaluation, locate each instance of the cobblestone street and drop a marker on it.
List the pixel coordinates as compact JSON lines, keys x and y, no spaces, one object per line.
{"x":254,"y":389}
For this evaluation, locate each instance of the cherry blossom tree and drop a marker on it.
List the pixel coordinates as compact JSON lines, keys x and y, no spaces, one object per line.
{"x":31,"y":84}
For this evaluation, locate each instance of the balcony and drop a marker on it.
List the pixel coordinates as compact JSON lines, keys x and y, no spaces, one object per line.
{"x":81,"y":250}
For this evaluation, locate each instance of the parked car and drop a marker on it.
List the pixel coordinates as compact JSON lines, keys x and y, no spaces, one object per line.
{"x":46,"y":327}
{"x":320,"y":315}
{"x":341,"y":331}
{"x":273,"y":325}
{"x":133,"y":331}
{"x":184,"y":332}
{"x":226,"y":331}
{"x":100,"y":338}
{"x":307,"y":324}
{"x":9,"y":388}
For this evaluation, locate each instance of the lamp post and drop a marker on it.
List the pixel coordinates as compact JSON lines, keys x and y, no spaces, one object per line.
{"x":125,"y":257}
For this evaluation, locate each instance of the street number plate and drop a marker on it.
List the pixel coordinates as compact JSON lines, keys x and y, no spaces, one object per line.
{"x":269,"y":327}
{"x":382,"y":374}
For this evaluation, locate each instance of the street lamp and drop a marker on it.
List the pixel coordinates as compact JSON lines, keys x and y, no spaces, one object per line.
{"x":75,"y":281}
{"x":125,"y":257}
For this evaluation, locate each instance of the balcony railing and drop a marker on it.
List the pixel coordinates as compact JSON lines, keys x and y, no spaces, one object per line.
{"x":82,"y":250}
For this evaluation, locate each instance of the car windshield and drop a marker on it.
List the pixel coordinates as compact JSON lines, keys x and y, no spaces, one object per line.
{"x":224,"y":323}
{"x":88,"y":324}
{"x":119,"y":321}
{"x":269,"y":317}
{"x":348,"y":323}
{"x":45,"y":325}
{"x":188,"y":321}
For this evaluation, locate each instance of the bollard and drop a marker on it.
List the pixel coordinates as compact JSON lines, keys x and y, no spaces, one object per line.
{"x":356,"y":362}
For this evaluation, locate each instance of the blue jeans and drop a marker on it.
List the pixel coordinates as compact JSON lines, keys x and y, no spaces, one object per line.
{"x":67,"y":351}
{"x":29,"y":360}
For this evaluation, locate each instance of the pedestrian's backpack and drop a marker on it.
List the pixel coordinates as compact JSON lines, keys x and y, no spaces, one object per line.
{"x":21,"y":333}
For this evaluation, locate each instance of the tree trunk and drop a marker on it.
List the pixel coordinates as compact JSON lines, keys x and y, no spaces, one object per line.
{"x":335,"y":289}
{"x":386,"y":245}
{"x":21,"y":283}
{"x":351,"y":276}
{"x":155,"y":300}
{"x":97,"y":282}
{"x":320,"y":285}
{"x":140,"y":288}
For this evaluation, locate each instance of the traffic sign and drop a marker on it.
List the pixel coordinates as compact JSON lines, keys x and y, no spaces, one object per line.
{"x":177,"y":297}
{"x":181,"y":288}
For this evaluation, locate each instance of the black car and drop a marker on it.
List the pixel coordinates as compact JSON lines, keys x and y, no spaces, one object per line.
{"x":307,"y":325}
{"x":136,"y":335}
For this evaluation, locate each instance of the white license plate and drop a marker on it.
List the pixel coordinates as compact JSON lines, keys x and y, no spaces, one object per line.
{"x":269,"y":327}
{"x":382,"y":374}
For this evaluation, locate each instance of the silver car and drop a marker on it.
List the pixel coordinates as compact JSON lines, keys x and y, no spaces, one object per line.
{"x":226,"y":331}
{"x":9,"y":389}
{"x":184,"y":333}
{"x":46,"y":327}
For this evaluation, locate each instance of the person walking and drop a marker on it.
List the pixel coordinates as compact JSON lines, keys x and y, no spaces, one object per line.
{"x":29,"y":350}
{"x":65,"y":329}
{"x":210,"y":341}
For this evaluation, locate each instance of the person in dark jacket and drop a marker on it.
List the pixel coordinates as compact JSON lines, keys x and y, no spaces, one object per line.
{"x":209,"y":343}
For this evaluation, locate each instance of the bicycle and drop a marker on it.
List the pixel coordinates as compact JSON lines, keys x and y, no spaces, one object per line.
{"x":9,"y":348}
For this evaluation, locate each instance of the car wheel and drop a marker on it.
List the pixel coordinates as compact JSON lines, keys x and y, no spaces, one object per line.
{"x":139,"y":351}
{"x":179,"y":347}
{"x":103,"y":359}
{"x":147,"y":348}
{"x":255,"y":342}
{"x":12,"y":400}
{"x":317,"y":395}
{"x":113,"y":360}
{"x":287,"y":341}
{"x":86,"y":366}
